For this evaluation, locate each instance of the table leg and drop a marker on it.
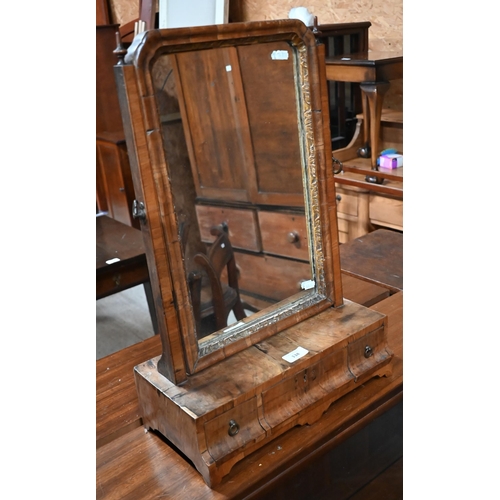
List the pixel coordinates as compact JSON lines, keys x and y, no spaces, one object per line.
{"x":364,"y":151}
{"x":373,"y":98}
{"x":151,"y":305}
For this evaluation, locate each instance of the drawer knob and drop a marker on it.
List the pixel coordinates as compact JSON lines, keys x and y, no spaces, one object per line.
{"x":234,"y":428}
{"x":293,"y":237}
{"x":368,"y":351}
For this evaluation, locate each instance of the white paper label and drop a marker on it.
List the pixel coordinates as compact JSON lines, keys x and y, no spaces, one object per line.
{"x":228,"y":68}
{"x":279,"y":55}
{"x":307,"y":285}
{"x":112,"y":261}
{"x":295,"y":354}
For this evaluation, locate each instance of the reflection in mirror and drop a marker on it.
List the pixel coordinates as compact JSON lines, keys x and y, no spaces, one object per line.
{"x":231,"y":128}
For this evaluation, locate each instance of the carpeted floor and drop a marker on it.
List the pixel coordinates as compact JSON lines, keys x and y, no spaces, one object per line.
{"x":122,"y":320}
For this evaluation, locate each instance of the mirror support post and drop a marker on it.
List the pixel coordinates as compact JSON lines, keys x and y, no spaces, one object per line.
{"x":171,"y":364}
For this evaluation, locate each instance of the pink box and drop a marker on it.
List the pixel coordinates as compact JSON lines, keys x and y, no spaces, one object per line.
{"x":391,"y":161}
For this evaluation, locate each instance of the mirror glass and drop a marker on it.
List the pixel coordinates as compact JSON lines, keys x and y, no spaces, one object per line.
{"x":233,"y":137}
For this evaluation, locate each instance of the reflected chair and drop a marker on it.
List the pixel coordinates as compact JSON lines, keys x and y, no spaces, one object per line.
{"x":210,"y":295}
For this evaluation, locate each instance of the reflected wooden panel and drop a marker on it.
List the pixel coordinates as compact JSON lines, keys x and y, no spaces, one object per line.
{"x":240,"y":139}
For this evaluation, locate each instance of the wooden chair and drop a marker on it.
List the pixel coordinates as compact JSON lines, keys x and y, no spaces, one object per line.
{"x":147,"y":14}
{"x":212,"y":298}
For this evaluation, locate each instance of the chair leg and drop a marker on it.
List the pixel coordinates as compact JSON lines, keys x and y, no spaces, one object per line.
{"x":239,"y":312}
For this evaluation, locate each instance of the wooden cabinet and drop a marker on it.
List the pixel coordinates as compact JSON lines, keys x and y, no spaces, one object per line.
{"x":353,"y":212}
{"x":360,"y":211}
{"x":114,"y":187}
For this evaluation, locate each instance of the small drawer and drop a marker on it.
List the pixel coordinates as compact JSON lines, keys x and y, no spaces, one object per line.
{"x":269,"y":277}
{"x":242,"y":225}
{"x":347,"y":203}
{"x":284,"y":234}
{"x":233,"y":430}
{"x":387,"y":212}
{"x":371,"y":350}
{"x":284,"y":400}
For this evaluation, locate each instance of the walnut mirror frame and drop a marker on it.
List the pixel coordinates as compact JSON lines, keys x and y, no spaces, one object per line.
{"x":183,"y":353}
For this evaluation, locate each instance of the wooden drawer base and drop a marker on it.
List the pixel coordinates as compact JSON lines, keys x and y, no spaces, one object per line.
{"x":227,"y":411}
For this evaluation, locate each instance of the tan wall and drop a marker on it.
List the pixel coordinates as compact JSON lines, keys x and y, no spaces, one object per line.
{"x":386,"y":16}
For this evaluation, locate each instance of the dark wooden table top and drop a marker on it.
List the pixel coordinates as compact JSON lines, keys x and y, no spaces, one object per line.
{"x":115,"y":240}
{"x":376,"y":257}
{"x":370,"y":66}
{"x":369,"y":58}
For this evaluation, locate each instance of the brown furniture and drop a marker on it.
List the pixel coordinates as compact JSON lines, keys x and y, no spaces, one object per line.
{"x":373,"y":70}
{"x":361,"y":432}
{"x":117,"y":405}
{"x":121,"y":261}
{"x":367,"y":201}
{"x":252,"y":103}
{"x":114,"y":187}
{"x":342,"y":39}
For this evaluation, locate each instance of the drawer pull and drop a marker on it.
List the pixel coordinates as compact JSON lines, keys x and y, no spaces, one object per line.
{"x":293,"y":237}
{"x":234,"y":428}
{"x":368,"y":351}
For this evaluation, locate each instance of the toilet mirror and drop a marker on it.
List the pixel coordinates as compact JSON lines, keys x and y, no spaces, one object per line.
{"x":227,"y":141}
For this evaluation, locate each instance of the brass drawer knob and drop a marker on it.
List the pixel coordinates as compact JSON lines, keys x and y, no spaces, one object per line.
{"x":234,"y":428}
{"x":292,"y":237}
{"x":368,"y":351}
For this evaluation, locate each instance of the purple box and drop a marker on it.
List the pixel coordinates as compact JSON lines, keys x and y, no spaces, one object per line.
{"x":391,"y":161}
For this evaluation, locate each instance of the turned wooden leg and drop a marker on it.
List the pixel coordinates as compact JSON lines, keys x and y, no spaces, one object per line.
{"x":364,"y":152}
{"x":374,"y":94}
